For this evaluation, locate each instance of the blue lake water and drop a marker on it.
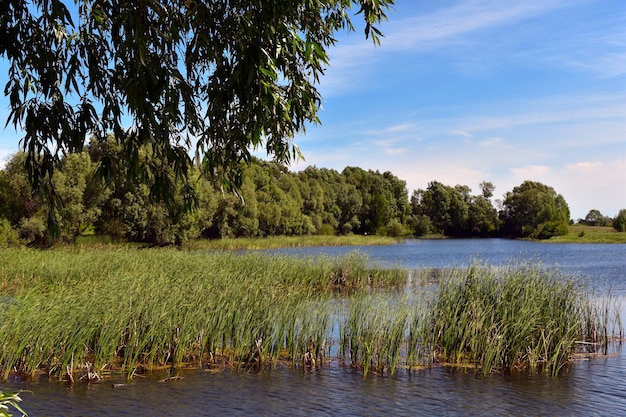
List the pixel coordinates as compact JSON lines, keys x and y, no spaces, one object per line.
{"x":593,"y":387}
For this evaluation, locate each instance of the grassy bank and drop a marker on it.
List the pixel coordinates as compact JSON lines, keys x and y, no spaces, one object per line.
{"x":76,"y":313}
{"x":270,"y":242}
{"x":590,"y":234}
{"x":274,"y":242}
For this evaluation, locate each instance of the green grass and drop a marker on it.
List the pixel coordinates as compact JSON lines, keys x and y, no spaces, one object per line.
{"x":66,"y":311}
{"x":590,"y":234}
{"x":274,"y":242}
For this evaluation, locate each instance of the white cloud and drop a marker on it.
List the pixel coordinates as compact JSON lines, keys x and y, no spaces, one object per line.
{"x":455,"y":23}
{"x":491,"y":142}
{"x":531,"y":172}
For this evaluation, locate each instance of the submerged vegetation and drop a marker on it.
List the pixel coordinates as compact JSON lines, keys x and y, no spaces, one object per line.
{"x":83,"y":313}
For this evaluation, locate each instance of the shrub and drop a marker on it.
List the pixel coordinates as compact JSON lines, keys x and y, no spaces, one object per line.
{"x":8,"y":235}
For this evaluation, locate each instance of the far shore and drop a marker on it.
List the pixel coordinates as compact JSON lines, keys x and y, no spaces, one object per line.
{"x":576,"y":234}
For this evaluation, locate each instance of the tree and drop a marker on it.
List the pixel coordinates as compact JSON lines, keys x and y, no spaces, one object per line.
{"x":534,"y":210}
{"x":78,"y":199}
{"x":619,"y":222}
{"x":218,"y":77}
{"x":595,"y":218}
{"x":446,"y":207}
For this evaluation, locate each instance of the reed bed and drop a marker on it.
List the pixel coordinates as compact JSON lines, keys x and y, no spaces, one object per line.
{"x":512,"y":317}
{"x":274,"y":242}
{"x":82,"y":313}
{"x":133,"y":309}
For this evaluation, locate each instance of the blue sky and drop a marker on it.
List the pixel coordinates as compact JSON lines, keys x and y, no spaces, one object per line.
{"x":465,"y":91}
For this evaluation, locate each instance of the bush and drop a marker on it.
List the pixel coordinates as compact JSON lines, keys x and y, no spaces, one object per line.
{"x":326,"y":230}
{"x":34,"y":232}
{"x":8,"y":235}
{"x":395,"y":229}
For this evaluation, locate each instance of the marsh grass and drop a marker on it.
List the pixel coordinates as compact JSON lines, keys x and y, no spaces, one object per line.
{"x":139,"y":309}
{"x":274,"y":242}
{"x":520,"y":316}
{"x":77,"y":312}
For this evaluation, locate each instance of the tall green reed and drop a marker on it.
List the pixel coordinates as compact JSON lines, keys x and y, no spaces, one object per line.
{"x":502,"y":318}
{"x":146,"y":308}
{"x":141,"y":309}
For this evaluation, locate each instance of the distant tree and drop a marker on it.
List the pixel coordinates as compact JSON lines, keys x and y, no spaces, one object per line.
{"x":534,"y":210}
{"x":130,"y":210}
{"x":17,"y":199}
{"x":9,"y":236}
{"x":384,"y":199}
{"x":619,"y":222}
{"x":482,"y":217}
{"x":77,"y":204}
{"x":593,"y":218}
{"x":447,"y":208}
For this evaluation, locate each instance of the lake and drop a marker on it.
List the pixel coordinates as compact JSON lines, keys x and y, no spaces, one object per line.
{"x":593,"y":387}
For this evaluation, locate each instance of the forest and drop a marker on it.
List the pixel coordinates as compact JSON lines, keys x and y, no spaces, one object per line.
{"x":269,"y":201}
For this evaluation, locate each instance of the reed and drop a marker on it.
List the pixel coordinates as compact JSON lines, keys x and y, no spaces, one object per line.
{"x":505,"y":318}
{"x":135,"y":309}
{"x":274,"y":242}
{"x":82,"y":312}
{"x":373,"y":334}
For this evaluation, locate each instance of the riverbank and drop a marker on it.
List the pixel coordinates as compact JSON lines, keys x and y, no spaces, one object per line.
{"x":589,"y":234}
{"x":258,"y":243}
{"x":576,"y":234}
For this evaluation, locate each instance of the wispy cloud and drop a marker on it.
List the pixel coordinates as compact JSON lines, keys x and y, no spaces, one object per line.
{"x":452,"y":26}
{"x":455,"y":23}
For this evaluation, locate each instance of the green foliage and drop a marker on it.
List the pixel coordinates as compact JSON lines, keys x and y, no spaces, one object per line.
{"x":220,"y":78}
{"x":271,"y":201}
{"x":619,"y":223}
{"x":77,"y":200}
{"x":10,"y":399}
{"x":534,"y":210}
{"x":596,"y":218}
{"x":8,"y":235}
{"x":453,"y":211}
{"x":376,"y":200}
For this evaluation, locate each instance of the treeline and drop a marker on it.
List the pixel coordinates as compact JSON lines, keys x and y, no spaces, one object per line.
{"x":270,"y":201}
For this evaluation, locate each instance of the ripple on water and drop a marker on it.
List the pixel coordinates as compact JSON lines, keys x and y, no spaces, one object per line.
{"x":594,"y":387}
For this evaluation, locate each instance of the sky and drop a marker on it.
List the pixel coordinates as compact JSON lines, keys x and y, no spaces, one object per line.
{"x":466,"y":91}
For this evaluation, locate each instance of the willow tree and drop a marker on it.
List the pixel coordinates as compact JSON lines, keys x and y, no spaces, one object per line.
{"x":211,"y":80}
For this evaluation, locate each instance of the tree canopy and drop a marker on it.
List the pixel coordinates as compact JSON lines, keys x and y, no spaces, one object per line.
{"x":534,"y":210}
{"x":273,"y":201}
{"x":214,"y":78}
